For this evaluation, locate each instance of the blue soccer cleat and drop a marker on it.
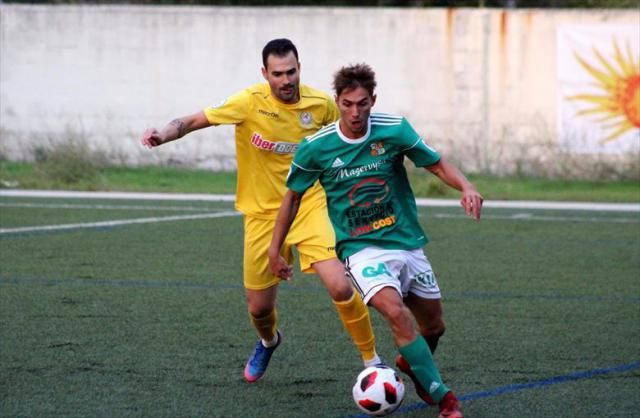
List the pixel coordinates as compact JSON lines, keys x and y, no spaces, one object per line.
{"x":259,"y":360}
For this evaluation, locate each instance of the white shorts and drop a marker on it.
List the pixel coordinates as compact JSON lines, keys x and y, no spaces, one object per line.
{"x":372,"y":269}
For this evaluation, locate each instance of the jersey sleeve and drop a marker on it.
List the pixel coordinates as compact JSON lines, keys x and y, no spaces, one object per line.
{"x":231,"y":111}
{"x":304,"y":171}
{"x":417,"y":149}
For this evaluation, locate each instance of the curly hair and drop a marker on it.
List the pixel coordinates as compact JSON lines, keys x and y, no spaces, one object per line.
{"x":354,"y":76}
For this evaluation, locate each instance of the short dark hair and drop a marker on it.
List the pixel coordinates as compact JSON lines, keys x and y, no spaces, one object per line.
{"x":278,"y":47}
{"x":354,"y":76}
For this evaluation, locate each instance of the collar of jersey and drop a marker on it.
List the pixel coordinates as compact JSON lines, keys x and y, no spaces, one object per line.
{"x":357,"y":140}
{"x":282,"y":105}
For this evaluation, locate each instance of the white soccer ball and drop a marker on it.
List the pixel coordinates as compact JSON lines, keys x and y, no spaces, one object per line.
{"x":378,"y":390}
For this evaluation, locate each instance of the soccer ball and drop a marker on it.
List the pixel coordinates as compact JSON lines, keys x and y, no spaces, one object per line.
{"x":378,"y":390}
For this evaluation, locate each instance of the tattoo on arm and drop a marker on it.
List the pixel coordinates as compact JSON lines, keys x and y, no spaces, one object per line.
{"x":179,"y":125}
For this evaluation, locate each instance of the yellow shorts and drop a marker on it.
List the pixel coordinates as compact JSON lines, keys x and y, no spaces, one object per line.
{"x":311,"y":234}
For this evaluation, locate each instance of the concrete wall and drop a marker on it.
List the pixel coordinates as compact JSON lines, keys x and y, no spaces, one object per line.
{"x":480,"y":83}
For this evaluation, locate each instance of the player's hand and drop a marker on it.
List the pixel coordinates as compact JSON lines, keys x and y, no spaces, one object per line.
{"x":151,"y":138}
{"x":280,"y":268}
{"x":472,"y":203}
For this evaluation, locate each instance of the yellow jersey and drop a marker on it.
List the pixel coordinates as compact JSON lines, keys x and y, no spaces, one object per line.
{"x":267,"y":135}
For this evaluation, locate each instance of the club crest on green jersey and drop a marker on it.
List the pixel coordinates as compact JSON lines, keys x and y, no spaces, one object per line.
{"x":377,"y":148}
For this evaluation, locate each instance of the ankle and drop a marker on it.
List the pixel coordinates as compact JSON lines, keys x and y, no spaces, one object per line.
{"x":449,"y":399}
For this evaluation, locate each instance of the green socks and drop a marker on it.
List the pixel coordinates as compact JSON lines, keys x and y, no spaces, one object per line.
{"x":418,"y":355}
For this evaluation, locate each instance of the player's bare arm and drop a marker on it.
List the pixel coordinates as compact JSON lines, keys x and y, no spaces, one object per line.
{"x":471,"y":200}
{"x":286,"y":215}
{"x":175,"y":129}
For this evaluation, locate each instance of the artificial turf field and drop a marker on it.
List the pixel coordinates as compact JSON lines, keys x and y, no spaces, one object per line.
{"x":136,"y":308}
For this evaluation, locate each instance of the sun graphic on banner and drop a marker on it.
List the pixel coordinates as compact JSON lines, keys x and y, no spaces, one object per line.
{"x":618,"y":107}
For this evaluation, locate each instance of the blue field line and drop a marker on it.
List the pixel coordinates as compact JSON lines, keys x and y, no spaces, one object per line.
{"x":116,"y":283}
{"x":506,"y":295}
{"x":158,"y":284}
{"x":311,"y":285}
{"x":587,"y":374}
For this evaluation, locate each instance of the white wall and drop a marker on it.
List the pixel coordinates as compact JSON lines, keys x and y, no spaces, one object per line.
{"x":480,"y":83}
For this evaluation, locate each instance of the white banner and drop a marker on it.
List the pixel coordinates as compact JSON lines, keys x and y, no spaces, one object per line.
{"x":599,"y":88}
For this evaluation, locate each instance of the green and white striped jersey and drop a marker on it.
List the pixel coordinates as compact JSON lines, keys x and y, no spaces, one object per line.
{"x":370,"y":201}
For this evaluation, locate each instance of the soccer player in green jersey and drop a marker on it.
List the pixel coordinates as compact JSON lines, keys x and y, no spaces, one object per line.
{"x":359,"y":160}
{"x":270,"y":119}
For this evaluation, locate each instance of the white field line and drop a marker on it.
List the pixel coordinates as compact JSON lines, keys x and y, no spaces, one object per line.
{"x":104,"y":207}
{"x":531,"y":204}
{"x":106,"y":224}
{"x":119,"y":195}
{"x":499,"y":204}
{"x":532,"y":217}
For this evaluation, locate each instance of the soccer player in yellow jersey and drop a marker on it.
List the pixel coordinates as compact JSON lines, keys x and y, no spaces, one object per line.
{"x":270,"y":120}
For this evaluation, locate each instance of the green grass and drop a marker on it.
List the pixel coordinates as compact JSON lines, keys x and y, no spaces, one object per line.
{"x":145,"y":179}
{"x":150,"y":320}
{"x":171,"y":179}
